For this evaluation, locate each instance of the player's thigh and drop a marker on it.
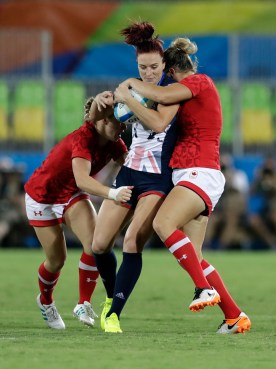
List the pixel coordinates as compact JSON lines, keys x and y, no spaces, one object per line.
{"x":81,"y":219}
{"x":179,"y":207}
{"x":112,"y":218}
{"x":196,"y":230}
{"x":53,"y":242}
{"x":140,"y":228}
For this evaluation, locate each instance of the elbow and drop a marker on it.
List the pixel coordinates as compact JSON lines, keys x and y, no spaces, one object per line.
{"x":80,"y":184}
{"x":160,"y":126}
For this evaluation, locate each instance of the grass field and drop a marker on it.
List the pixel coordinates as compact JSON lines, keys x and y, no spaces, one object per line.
{"x":159,"y":330}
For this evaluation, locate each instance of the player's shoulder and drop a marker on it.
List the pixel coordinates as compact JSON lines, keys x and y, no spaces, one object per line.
{"x":199,"y":77}
{"x":198,"y":82}
{"x":83,"y":135}
{"x":86,"y":129}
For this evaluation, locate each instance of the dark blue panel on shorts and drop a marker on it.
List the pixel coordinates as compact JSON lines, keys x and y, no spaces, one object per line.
{"x":143,"y":182}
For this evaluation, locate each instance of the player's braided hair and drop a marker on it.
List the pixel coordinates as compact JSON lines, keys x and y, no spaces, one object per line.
{"x":87,"y":105}
{"x":140,"y":35}
{"x":178,"y":55}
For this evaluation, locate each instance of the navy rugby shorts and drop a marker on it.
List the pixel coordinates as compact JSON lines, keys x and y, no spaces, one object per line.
{"x":144,"y":184}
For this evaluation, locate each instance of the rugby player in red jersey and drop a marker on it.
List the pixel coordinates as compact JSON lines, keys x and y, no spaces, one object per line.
{"x":198,"y":182}
{"x":59,"y":192}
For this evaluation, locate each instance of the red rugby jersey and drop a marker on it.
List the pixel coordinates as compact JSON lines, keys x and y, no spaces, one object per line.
{"x":53,"y":182}
{"x":199,"y":124}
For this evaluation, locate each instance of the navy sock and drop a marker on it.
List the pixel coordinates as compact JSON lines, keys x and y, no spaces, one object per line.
{"x":107,"y":265}
{"x":127,"y":277}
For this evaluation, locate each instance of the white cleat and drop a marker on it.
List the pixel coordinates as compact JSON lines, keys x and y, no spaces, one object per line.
{"x":50,"y":315}
{"x":204,"y":297}
{"x":85,"y":313}
{"x":241,"y":324}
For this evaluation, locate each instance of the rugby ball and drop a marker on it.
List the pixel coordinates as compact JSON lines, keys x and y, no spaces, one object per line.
{"x":122,"y":112}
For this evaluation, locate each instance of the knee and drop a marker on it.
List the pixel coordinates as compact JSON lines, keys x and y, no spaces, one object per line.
{"x":131,"y":245}
{"x":100,"y":246}
{"x":59,"y":264}
{"x":54,"y":265}
{"x":158,"y":226}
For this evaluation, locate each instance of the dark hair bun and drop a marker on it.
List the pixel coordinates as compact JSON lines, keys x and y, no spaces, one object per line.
{"x":138,"y":33}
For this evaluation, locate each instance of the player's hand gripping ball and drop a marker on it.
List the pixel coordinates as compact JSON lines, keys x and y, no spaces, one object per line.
{"x":122,"y":112}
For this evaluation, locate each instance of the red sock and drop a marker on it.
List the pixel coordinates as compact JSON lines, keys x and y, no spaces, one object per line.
{"x":183,"y":250}
{"x":227,"y":304}
{"x":47,"y":282}
{"x":88,"y":275}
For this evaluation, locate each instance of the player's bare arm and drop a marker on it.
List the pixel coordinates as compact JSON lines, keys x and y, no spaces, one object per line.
{"x":172,"y":94}
{"x":157,"y":120}
{"x":81,"y":169}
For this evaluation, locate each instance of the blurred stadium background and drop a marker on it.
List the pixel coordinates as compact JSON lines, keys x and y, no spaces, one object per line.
{"x":54,"y":54}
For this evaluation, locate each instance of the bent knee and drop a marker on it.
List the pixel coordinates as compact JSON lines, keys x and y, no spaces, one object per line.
{"x":158,"y":226}
{"x":100,"y":246}
{"x":133,"y":244}
{"x":55,"y":265}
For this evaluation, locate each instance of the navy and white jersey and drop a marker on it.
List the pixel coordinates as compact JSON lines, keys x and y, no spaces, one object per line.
{"x":150,"y":151}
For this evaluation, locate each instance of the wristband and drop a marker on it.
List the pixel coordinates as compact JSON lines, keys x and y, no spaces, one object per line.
{"x":112,"y":194}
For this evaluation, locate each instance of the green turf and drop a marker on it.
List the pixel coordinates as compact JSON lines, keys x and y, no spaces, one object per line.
{"x":159,"y":330}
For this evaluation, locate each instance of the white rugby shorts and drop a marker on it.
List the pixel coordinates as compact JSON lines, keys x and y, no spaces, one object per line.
{"x":207,"y":183}
{"x":43,"y":215}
